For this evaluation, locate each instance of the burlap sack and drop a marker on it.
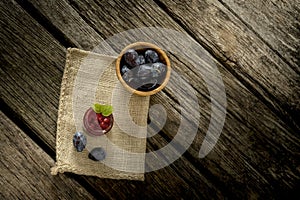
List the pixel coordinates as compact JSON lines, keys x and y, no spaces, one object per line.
{"x":90,"y":78}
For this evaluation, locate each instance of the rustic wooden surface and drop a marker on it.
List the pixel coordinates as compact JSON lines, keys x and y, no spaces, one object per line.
{"x":255,"y":46}
{"x":25,"y":169}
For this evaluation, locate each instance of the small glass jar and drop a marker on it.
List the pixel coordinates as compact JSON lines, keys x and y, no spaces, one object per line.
{"x":97,"y":124}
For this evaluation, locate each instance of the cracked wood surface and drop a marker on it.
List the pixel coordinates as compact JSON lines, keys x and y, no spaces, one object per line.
{"x":25,"y":169}
{"x":259,"y":144}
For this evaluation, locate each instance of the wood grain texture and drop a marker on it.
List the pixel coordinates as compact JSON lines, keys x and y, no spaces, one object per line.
{"x":243,"y":133}
{"x":276,"y":22}
{"x":245,"y":55}
{"x":251,"y":154}
{"x":32,"y":63}
{"x":68,"y":24}
{"x":12,"y":98}
{"x":25,"y":169}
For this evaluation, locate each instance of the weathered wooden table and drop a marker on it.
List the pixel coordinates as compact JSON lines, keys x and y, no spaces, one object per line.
{"x":255,"y":45}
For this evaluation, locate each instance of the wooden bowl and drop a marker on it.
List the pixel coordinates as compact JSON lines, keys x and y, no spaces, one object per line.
{"x":140,"y":47}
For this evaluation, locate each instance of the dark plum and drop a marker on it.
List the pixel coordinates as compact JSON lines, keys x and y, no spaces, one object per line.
{"x":141,"y":60}
{"x":145,"y":71}
{"x":151,"y":70}
{"x":128,"y":76}
{"x":131,"y":58}
{"x":158,"y":69}
{"x":79,"y":141}
{"x":149,"y":85}
{"x":97,"y":154}
{"x":124,"y":69}
{"x":151,"y":56}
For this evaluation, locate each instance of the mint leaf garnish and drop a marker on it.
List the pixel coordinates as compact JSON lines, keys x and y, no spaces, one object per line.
{"x":105,"y":110}
{"x":97,"y":107}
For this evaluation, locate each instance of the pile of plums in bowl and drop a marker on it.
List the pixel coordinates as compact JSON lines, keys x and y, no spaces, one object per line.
{"x":143,"y":68}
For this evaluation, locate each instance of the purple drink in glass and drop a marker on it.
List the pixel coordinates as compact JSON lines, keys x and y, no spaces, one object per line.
{"x":96,"y":124}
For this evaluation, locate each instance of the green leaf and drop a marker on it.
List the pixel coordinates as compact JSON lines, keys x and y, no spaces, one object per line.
{"x":97,"y":107}
{"x":105,"y":110}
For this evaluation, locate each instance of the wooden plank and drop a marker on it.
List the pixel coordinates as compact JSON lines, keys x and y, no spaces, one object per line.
{"x":31,"y":71}
{"x":25,"y":169}
{"x":243,"y":53}
{"x":245,"y":148}
{"x":25,"y":44}
{"x":12,"y":98}
{"x":192,"y":176}
{"x":275,"y":21}
{"x":68,"y":24}
{"x":239,"y":98}
{"x":234,"y":83}
{"x":226,"y":160}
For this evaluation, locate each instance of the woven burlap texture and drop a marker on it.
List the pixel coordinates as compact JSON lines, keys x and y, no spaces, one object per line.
{"x":88,"y":78}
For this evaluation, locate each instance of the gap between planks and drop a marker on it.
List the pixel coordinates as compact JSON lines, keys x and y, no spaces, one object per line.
{"x":264,"y":94}
{"x":259,"y":36}
{"x":25,"y":169}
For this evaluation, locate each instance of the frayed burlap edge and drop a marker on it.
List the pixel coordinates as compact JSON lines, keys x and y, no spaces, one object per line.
{"x":61,"y":165}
